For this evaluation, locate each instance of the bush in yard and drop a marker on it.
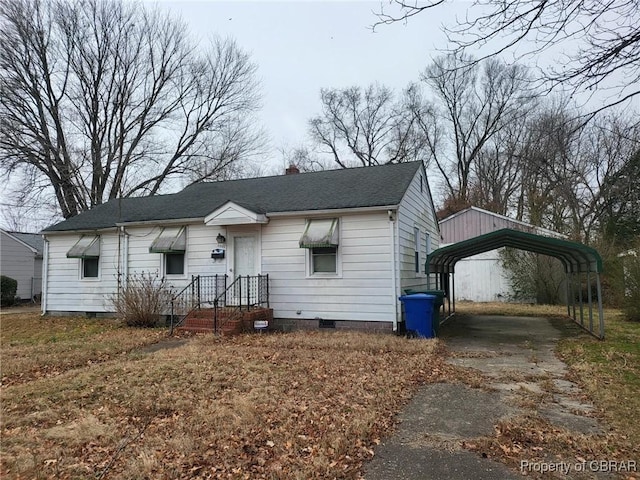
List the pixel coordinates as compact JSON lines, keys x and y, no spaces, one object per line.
{"x":532,"y":276}
{"x":8,"y":289}
{"x":142,"y":300}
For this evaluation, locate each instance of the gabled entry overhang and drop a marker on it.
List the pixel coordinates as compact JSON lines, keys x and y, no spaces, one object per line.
{"x":233,"y":214}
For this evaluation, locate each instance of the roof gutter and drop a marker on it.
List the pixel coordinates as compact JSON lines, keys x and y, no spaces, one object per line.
{"x":82,"y":231}
{"x":333,"y":211}
{"x":171,"y":221}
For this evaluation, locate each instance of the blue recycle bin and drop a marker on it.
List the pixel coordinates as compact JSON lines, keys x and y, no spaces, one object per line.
{"x":418,"y":313}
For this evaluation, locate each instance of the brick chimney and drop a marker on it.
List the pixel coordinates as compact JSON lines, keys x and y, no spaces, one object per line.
{"x":292,"y":170}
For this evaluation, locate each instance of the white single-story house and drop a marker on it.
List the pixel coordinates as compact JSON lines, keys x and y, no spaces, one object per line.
{"x":21,"y":259}
{"x":337,"y":245}
{"x":481,"y":278}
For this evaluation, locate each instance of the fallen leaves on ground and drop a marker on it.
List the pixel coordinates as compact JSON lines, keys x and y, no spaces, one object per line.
{"x":298,"y":405}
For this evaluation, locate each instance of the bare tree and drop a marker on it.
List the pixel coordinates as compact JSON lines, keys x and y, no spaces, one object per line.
{"x":609,"y":188}
{"x":577,"y":178}
{"x":474,"y":104}
{"x":496,"y":177}
{"x":305,"y":158}
{"x":599,"y":41}
{"x":104,"y":98}
{"x":366,"y":127}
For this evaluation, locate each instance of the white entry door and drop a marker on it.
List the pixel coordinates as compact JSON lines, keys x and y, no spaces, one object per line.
{"x":245,"y":262}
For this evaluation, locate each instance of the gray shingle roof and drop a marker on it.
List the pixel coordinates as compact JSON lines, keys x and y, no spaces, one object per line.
{"x":327,"y":190}
{"x":34,"y":240}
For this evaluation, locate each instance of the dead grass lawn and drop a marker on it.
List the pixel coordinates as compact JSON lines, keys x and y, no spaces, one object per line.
{"x":510,"y":309}
{"x":300,"y":405}
{"x":33,"y":347}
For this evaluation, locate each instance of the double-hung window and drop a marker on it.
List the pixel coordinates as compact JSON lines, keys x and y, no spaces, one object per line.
{"x":320,"y":238}
{"x":172,"y":244}
{"x":87,"y":249}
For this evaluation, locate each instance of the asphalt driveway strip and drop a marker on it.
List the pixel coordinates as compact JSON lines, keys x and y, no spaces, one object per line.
{"x":515,"y":357}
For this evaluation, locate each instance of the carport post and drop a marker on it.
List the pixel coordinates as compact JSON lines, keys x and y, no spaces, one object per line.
{"x":453,"y":292}
{"x":589,"y":297}
{"x":568,"y":288}
{"x":600,"y":312}
{"x":573,"y":297}
{"x":580,"y":297}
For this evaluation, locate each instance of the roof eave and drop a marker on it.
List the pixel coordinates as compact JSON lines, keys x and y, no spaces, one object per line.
{"x":332,"y":211}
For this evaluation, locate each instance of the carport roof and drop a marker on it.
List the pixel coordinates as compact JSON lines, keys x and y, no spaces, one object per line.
{"x":576,"y":257}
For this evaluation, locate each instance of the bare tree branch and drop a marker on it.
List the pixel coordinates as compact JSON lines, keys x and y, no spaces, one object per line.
{"x":367,"y":127}
{"x":105,"y":98}
{"x":596,"y":44}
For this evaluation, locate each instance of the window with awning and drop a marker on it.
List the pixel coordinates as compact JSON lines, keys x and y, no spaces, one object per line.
{"x":320,"y":233}
{"x":320,"y":238}
{"x":87,"y":247}
{"x":170,"y":240}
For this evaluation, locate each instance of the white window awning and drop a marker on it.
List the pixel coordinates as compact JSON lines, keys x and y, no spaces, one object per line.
{"x":320,"y":233}
{"x":170,"y":240}
{"x":87,"y":247}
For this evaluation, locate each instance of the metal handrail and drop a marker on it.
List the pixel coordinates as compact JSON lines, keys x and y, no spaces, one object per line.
{"x":199,"y":292}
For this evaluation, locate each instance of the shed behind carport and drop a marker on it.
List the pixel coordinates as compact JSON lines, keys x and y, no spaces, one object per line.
{"x":580,"y":262}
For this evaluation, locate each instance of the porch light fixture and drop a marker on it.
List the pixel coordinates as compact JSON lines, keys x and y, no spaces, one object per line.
{"x":221,"y":238}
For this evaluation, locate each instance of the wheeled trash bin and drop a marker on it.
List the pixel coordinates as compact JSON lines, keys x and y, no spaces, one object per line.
{"x":418,"y":310}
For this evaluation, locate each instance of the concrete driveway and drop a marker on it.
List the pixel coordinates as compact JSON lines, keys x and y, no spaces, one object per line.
{"x":514,"y":357}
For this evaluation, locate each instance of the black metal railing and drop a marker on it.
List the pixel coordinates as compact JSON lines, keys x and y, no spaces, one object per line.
{"x":212,"y":291}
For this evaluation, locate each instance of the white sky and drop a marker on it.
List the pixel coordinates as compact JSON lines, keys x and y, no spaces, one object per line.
{"x":301,"y":47}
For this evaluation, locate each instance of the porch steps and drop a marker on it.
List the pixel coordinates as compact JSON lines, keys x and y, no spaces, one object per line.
{"x":201,"y":321}
{"x":231,"y":321}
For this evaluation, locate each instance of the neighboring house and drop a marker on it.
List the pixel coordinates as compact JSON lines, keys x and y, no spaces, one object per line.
{"x":21,"y":259}
{"x":337,"y":245}
{"x":481,"y":278}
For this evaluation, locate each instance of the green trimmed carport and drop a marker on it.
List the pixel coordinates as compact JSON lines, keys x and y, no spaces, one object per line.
{"x":581,"y":264}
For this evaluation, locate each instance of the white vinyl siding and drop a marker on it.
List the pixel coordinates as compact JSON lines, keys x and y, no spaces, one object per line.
{"x":201,"y":240}
{"x":69,"y":293}
{"x":360,"y":293}
{"x":363,"y":289}
{"x":19,"y":263}
{"x":67,"y":290}
{"x":415,"y":213}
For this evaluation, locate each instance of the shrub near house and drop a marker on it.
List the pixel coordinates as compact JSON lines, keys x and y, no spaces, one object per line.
{"x":8,"y":289}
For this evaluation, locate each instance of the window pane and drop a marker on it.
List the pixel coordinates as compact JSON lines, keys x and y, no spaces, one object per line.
{"x":90,"y":267}
{"x":324,"y":260}
{"x":174,"y":263}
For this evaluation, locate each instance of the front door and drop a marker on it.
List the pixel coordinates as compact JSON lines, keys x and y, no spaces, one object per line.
{"x":245,"y":263}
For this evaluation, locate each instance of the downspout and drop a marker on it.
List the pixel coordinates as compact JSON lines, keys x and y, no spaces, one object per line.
{"x":394,"y":277}
{"x":124,"y":257}
{"x":45,"y":275}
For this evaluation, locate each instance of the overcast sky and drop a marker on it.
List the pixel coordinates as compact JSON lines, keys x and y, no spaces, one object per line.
{"x":301,"y":47}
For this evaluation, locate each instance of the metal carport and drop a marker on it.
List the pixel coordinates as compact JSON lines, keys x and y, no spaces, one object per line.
{"x":581,"y":263}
